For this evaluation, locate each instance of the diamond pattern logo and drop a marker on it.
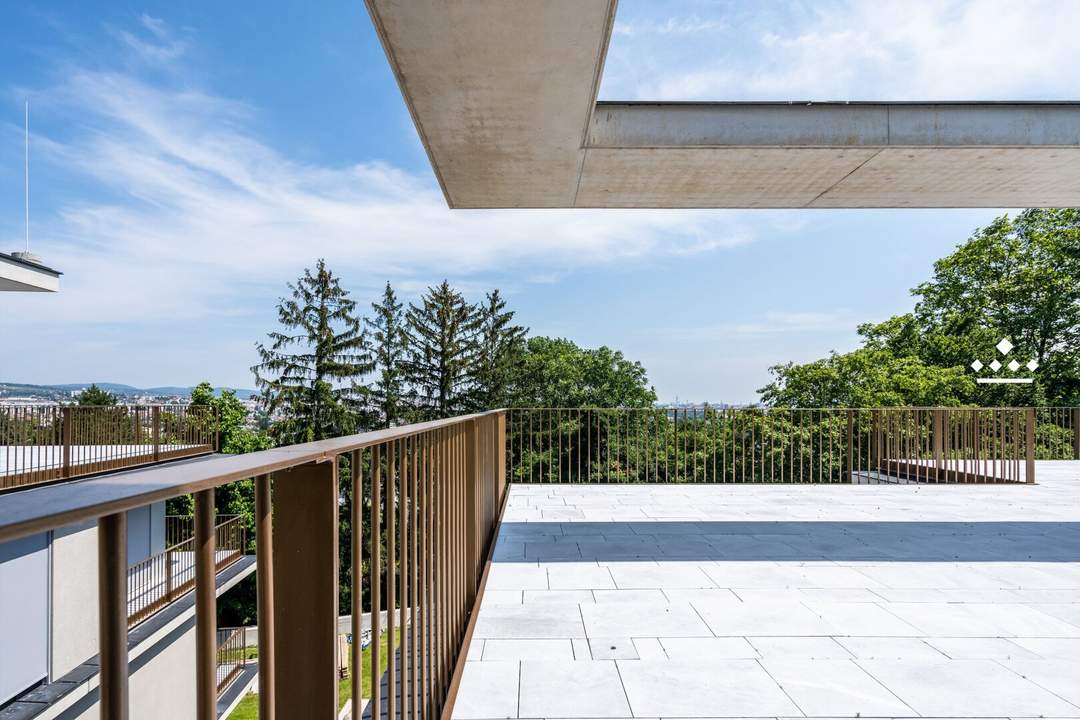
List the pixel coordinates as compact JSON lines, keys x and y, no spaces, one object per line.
{"x":1005,"y":347}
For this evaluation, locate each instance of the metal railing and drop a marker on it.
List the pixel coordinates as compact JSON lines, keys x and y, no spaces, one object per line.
{"x":161,"y":579}
{"x":1057,"y":433}
{"x":771,"y":445}
{"x":44,"y":443}
{"x":232,"y":656}
{"x":425,"y":503}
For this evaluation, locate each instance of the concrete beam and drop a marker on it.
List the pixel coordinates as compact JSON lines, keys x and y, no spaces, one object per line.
{"x":503,"y":95}
{"x":500,"y":90}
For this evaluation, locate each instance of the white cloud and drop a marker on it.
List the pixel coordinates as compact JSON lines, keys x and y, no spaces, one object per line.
{"x":853,"y":49}
{"x":200,"y":215}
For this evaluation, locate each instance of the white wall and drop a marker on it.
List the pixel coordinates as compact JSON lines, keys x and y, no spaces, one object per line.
{"x":162,"y":687}
{"x":74,"y":597}
{"x":24,"y":614}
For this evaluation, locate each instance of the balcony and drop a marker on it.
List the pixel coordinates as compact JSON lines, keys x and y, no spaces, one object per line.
{"x":40,"y":444}
{"x":895,"y":562}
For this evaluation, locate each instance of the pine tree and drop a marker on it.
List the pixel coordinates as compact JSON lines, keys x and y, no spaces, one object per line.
{"x":443,"y":340}
{"x":311,"y":378}
{"x":389,"y":341}
{"x":94,"y":396}
{"x":501,"y":350}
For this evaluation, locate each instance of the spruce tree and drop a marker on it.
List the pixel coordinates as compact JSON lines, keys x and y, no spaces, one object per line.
{"x":442,"y":335}
{"x":501,"y":349}
{"x":311,"y":372}
{"x":389,"y":341}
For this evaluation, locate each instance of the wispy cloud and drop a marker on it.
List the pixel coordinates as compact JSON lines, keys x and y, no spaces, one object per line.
{"x":851,"y":49}
{"x":772,"y":322}
{"x":197,"y":214}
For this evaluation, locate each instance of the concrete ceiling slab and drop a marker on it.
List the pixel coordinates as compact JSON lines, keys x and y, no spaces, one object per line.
{"x":503,"y":94}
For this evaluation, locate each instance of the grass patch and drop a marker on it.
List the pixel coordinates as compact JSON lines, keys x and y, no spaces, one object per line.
{"x":248,"y":709}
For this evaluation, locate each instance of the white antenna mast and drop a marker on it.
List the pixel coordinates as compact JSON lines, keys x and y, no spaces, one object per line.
{"x":26,"y":173}
{"x":26,"y":254}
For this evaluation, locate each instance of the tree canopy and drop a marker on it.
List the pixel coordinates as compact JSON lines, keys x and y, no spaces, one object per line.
{"x":311,"y":372}
{"x":555,"y":372}
{"x":1018,"y":278}
{"x":94,"y":396}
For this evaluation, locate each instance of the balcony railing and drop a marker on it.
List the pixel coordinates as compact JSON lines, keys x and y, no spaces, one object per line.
{"x":42,"y":444}
{"x":232,"y":656}
{"x":426,"y":501}
{"x":783,"y":445}
{"x":163,"y":578}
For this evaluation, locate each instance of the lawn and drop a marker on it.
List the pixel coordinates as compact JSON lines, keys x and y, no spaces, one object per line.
{"x":248,"y":709}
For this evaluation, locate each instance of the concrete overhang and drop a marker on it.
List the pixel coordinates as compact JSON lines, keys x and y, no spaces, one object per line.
{"x":19,"y":275}
{"x":503,"y":95}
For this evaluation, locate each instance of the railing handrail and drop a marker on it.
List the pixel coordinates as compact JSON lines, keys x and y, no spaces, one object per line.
{"x":44,"y":508}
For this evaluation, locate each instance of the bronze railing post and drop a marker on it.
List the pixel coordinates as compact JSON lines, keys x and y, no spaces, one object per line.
{"x":66,"y":418}
{"x":357,"y":575}
{"x":850,"y":445}
{"x":205,"y":607}
{"x":155,"y":430}
{"x":112,"y":615}
{"x":306,"y":590}
{"x":1076,"y":433}
{"x":264,"y":578}
{"x":1029,"y":446}
{"x":938,"y":433}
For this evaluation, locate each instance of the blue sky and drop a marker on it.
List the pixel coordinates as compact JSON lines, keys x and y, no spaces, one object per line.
{"x":188,"y":159}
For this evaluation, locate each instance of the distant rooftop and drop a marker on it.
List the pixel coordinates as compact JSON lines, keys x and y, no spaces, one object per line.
{"x":21,"y":272}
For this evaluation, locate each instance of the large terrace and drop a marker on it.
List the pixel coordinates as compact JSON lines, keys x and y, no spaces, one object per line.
{"x":782,"y":601}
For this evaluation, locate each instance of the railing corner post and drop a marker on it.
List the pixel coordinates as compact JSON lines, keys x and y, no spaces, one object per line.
{"x":155,"y":421}
{"x":1029,"y":450}
{"x":66,"y":419}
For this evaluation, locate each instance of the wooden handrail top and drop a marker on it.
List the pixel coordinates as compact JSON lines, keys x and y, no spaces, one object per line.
{"x":39,"y":509}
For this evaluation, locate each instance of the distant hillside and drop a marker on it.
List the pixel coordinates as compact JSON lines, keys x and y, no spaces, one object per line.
{"x":56,"y":392}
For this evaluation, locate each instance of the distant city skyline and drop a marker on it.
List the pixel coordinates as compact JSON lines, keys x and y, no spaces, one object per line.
{"x":184,"y":168}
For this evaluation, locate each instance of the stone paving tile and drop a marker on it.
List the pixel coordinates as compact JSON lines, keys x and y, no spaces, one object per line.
{"x":707,"y":648}
{"x":516,"y":576}
{"x":488,"y":690}
{"x":562,"y":690}
{"x":966,"y":688}
{"x":891,"y":648}
{"x":981,"y":649}
{"x":834,"y":687}
{"x":1061,"y":677}
{"x":573,"y":576}
{"x":690,"y":688}
{"x":535,"y":620}
{"x":612,"y":649}
{"x":558,"y":596}
{"x":550,"y":649}
{"x":803,"y":648}
{"x":630,"y":620}
{"x":762,"y":619}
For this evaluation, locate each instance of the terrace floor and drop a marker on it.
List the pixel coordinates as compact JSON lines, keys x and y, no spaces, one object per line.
{"x":782,"y":601}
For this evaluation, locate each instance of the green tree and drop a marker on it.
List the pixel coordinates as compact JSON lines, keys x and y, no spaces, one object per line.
{"x":389,"y":341}
{"x":866,"y":378}
{"x":94,"y":396}
{"x":1018,"y":278}
{"x":555,"y":372}
{"x":311,"y":372}
{"x":442,"y":334}
{"x":500,"y":352}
